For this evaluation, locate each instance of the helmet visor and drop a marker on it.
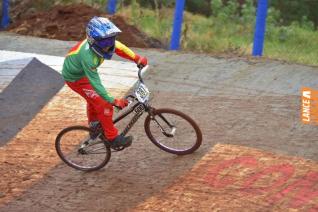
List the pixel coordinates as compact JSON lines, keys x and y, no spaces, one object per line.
{"x":106,"y":42}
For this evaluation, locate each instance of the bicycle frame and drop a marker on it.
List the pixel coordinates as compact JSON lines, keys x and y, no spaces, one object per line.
{"x":139,"y":109}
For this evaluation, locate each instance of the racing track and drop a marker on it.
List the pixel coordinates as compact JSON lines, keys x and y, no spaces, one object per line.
{"x":256,"y":153}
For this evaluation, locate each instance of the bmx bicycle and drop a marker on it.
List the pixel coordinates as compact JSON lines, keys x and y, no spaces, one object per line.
{"x":163,"y":127}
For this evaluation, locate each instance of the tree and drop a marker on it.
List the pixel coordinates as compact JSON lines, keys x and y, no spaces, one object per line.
{"x":296,"y":10}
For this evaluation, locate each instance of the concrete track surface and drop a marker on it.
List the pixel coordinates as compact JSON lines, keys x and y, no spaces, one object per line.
{"x":256,"y":154}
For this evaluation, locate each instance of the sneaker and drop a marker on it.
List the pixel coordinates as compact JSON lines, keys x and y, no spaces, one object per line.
{"x":121,"y":141}
{"x":96,"y":129}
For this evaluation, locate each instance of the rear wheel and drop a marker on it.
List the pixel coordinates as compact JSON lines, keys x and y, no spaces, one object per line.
{"x":173,"y":131}
{"x":76,"y":149}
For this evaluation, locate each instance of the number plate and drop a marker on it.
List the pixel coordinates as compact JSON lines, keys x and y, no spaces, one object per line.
{"x":142,"y":93}
{"x":139,"y":109}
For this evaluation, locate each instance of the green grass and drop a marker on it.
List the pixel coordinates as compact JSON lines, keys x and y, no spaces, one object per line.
{"x":293,"y":44}
{"x":212,"y":35}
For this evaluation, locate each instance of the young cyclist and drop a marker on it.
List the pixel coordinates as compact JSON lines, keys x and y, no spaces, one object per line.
{"x":80,"y":73}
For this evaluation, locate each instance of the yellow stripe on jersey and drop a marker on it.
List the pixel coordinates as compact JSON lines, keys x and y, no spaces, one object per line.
{"x":76,"y":48}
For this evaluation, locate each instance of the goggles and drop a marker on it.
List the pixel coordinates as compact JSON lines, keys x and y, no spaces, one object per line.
{"x":106,"y":42}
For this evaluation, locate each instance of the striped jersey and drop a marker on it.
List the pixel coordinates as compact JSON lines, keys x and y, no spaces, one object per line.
{"x":81,"y":61}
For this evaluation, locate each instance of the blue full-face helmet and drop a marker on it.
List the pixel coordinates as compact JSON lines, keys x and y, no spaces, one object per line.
{"x":101,"y":35}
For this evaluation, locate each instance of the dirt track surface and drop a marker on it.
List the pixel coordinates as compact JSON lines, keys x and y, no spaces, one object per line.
{"x":236,"y":178}
{"x":246,"y":103}
{"x":69,"y":23}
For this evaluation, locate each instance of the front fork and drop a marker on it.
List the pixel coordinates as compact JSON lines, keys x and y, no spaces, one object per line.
{"x":163,"y":131}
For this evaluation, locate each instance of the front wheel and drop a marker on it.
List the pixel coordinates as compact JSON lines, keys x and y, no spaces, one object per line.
{"x":173,"y":131}
{"x":76,"y":149}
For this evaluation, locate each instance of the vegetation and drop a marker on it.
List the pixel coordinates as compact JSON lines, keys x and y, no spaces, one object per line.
{"x":230,"y":30}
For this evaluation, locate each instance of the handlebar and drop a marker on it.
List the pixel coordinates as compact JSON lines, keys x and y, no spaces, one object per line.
{"x":140,"y":79}
{"x":139,"y":72}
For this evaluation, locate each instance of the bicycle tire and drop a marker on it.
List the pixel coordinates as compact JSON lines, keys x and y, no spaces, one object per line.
{"x":174,"y":113}
{"x":64,"y":158}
